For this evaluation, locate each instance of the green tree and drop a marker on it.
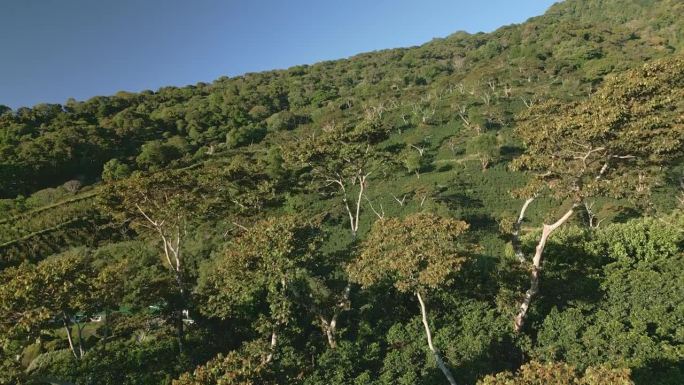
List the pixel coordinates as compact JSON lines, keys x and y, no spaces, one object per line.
{"x":418,"y":253}
{"x":415,"y":159}
{"x":59,"y":287}
{"x":245,"y":366}
{"x":163,"y":205}
{"x":114,"y":170}
{"x":283,"y":120}
{"x":485,"y":147}
{"x":342,"y":159}
{"x":613,"y":144}
{"x":639,"y":261}
{"x":264,"y":264}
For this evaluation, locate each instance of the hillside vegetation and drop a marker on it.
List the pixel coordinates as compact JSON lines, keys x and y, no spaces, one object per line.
{"x":501,"y":208}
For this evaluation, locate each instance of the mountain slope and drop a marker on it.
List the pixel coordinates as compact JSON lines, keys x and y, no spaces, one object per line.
{"x":116,"y":180}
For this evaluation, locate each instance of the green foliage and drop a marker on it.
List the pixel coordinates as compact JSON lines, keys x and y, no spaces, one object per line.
{"x":243,"y":136}
{"x":267,"y":259}
{"x":33,"y":294}
{"x":284,"y":120}
{"x":485,"y":147}
{"x":349,"y":363}
{"x":251,"y":175}
{"x":156,"y":154}
{"x":115,"y":170}
{"x":637,"y":321}
{"x":414,"y":161}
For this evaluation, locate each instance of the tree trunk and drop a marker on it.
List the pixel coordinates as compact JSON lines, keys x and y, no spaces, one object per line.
{"x":330,"y":327}
{"x":79,"y":328}
{"x":517,"y":247}
{"x":106,"y":329}
{"x":180,"y":331}
{"x":434,"y":351}
{"x":329,"y":330}
{"x":67,"y":328}
{"x":519,"y":319}
{"x":180,"y":326}
{"x":274,"y":342}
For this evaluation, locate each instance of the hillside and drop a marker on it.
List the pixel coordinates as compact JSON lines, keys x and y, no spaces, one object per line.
{"x":249,"y":230}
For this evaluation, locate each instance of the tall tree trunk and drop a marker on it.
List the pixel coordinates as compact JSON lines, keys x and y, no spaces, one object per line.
{"x":353,"y":220}
{"x":180,"y":326}
{"x":180,"y":331}
{"x":434,"y":351}
{"x":329,"y":330}
{"x":79,"y":329}
{"x":106,"y":329}
{"x":67,"y":328}
{"x":274,"y":342}
{"x":517,"y":247}
{"x":547,"y":230}
{"x":330,"y":333}
{"x":172,"y":248}
{"x":330,"y":327}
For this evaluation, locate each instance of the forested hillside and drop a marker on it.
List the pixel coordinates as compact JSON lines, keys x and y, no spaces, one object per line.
{"x":501,"y":208}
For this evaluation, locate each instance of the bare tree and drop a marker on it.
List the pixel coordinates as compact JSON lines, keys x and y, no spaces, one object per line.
{"x":380,"y":214}
{"x":374,"y":112}
{"x":486,"y":97}
{"x":461,"y":110}
{"x":421,"y":149}
{"x":508,"y":90}
{"x":400,"y":201}
{"x":527,"y":102}
{"x":592,"y":219}
{"x":424,"y":112}
{"x":171,"y":231}
{"x":329,"y":326}
{"x":358,"y":179}
{"x":452,"y":144}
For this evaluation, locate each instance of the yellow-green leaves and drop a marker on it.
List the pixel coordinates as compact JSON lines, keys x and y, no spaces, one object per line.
{"x":420,"y":251}
{"x":30,"y":295}
{"x":536,"y":373}
{"x":613,"y":143}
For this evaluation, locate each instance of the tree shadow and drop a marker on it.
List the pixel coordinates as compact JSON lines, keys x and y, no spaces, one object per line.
{"x":481,"y":222}
{"x":501,"y":355}
{"x":445,"y":168}
{"x":569,"y":276}
{"x":457,"y":201}
{"x":508,"y":153}
{"x":626,"y":214}
{"x":661,"y":372}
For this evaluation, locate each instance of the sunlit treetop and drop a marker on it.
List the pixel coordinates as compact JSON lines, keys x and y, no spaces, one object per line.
{"x":418,"y":252}
{"x":615,"y":143}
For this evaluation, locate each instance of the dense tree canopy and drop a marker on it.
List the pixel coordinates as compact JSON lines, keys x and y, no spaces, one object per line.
{"x":376,"y":220}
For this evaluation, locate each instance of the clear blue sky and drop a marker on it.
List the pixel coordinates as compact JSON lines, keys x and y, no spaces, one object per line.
{"x":56,"y":49}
